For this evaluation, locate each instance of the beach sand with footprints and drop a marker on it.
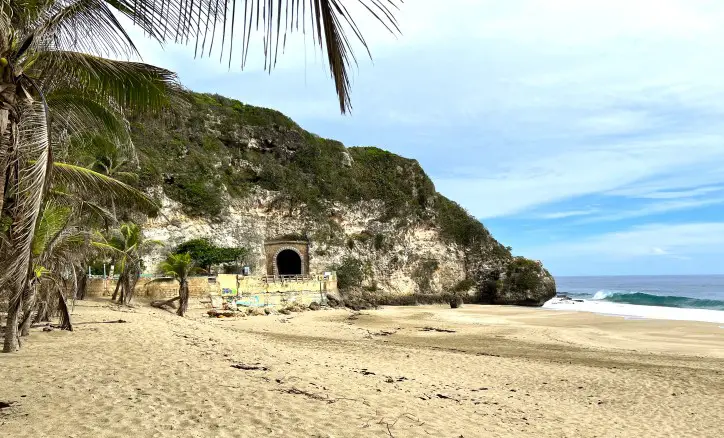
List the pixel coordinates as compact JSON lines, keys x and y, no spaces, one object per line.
{"x":428,"y":371}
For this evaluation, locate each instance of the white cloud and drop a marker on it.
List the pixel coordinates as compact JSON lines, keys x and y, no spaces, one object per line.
{"x":534,"y":182}
{"x":521,"y":103}
{"x":680,"y":240}
{"x":566,"y":214}
{"x":655,"y":209}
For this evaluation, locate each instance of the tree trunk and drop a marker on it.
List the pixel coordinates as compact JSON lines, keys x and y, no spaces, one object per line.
{"x":11,"y":328}
{"x":65,"y":323}
{"x":82,"y":285}
{"x":131,"y":278}
{"x":118,"y":285}
{"x":125,"y":292}
{"x":42,"y":313}
{"x":29,"y":304}
{"x":183,"y":293}
{"x":161,"y":303}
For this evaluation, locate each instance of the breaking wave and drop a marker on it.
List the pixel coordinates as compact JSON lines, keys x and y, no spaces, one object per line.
{"x":644,"y":299}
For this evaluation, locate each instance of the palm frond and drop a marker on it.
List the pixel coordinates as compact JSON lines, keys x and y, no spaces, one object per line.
{"x":91,"y":213}
{"x":33,"y":167}
{"x":332,"y":27}
{"x":179,"y":266}
{"x":69,"y":247}
{"x":110,"y":249}
{"x":99,"y":186}
{"x":86,"y":113}
{"x":131,"y":85}
{"x":53,"y":220}
{"x":83,"y":25}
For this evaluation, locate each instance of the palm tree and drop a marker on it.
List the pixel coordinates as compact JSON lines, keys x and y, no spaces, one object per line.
{"x":57,"y":249}
{"x":180,"y":266}
{"x":54,"y":66}
{"x":127,"y":245}
{"x":61,"y":242}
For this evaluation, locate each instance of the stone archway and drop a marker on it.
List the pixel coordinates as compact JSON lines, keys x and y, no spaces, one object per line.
{"x":287,"y":257}
{"x":288,"y":261}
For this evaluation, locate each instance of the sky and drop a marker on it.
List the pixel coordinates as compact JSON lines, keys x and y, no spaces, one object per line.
{"x":586,"y":134}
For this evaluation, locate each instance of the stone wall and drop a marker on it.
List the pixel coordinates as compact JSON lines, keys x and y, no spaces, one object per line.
{"x":261,"y":291}
{"x":154,"y":289}
{"x":247,"y":291}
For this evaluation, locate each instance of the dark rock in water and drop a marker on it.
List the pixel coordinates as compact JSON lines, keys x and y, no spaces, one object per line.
{"x":524,"y":283}
{"x":564,"y":297}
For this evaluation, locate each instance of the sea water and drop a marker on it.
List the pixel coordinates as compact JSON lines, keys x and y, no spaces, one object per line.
{"x":694,"y":298}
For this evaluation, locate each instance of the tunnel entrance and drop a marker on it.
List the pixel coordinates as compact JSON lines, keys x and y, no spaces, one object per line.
{"x":289,"y":262}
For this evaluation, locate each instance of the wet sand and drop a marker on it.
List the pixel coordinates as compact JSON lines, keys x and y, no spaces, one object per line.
{"x":478,"y":371}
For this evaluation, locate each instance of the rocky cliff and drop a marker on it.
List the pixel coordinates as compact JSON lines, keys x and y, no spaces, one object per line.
{"x":240,"y":175}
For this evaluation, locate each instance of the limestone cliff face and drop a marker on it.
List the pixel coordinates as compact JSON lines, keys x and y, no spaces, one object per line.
{"x":395,"y":259}
{"x":241,"y":175}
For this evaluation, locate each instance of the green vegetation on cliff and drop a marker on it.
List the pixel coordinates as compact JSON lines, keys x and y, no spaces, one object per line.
{"x":211,"y":146}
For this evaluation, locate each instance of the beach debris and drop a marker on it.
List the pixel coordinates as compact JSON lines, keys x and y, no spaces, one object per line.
{"x":216,"y":313}
{"x":436,"y":329}
{"x":48,"y":329}
{"x":314,"y":306}
{"x":371,"y":334}
{"x":393,"y":379}
{"x":159,"y":304}
{"x":365,"y":372}
{"x":247,"y":367}
{"x":6,"y":404}
{"x":446,"y":397}
{"x":311,"y":395}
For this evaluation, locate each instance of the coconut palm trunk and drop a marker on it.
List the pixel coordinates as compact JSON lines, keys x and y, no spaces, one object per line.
{"x":11,"y":325}
{"x":29,"y":305}
{"x":183,"y":293}
{"x":118,"y":286}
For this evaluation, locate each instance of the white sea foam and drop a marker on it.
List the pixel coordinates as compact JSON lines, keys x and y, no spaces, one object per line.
{"x":603,"y":294}
{"x":631,"y":311}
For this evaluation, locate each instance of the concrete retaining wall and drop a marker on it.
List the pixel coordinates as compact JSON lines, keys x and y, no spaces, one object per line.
{"x":246,"y":291}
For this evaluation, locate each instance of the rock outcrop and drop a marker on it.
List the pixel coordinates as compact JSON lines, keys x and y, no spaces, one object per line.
{"x":241,"y":175}
{"x":524,"y":282}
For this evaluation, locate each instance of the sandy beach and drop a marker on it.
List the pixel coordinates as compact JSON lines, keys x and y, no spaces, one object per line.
{"x":478,"y":371}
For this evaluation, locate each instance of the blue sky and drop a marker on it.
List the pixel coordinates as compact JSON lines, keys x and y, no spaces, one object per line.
{"x":587,"y":134}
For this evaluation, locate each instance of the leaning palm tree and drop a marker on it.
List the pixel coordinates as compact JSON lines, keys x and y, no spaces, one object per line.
{"x":180,"y":266}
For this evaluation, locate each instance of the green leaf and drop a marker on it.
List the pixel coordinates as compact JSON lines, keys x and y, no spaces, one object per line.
{"x":100,"y":186}
{"x":131,"y":85}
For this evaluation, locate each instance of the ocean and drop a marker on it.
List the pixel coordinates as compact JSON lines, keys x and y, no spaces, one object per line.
{"x":695,"y":297}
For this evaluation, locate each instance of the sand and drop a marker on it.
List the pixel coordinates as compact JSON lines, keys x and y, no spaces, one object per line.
{"x":429,"y":371}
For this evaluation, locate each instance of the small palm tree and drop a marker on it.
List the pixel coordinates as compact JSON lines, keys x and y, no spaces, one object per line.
{"x":180,"y":266}
{"x":127,"y":245}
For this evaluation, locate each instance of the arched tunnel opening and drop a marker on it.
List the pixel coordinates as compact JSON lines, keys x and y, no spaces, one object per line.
{"x":289,"y":263}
